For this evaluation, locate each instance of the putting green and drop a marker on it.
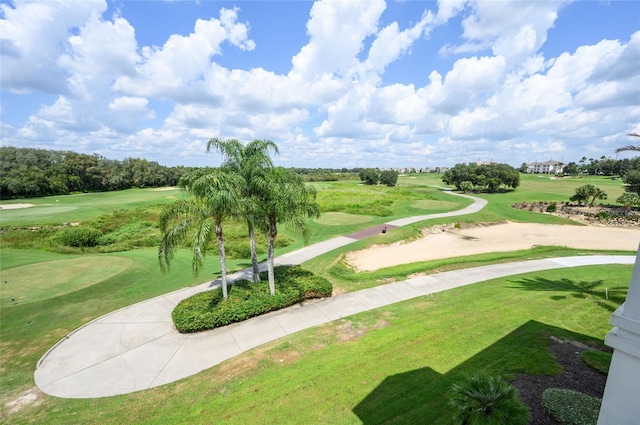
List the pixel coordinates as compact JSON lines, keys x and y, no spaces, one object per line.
{"x":339,"y":219}
{"x":428,"y":204}
{"x":37,"y":282}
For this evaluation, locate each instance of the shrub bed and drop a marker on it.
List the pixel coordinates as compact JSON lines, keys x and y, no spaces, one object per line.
{"x":207,"y":310}
{"x":571,"y":407}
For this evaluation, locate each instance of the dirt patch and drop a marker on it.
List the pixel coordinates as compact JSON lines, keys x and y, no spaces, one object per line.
{"x":576,"y":376}
{"x":31,"y":397}
{"x":347,"y":331}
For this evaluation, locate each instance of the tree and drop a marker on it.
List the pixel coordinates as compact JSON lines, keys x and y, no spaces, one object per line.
{"x":248,"y":161}
{"x":389,"y":178}
{"x":458,"y":174}
{"x":630,"y":147}
{"x":588,"y":194}
{"x":628,"y":200}
{"x":487,"y":176}
{"x":598,"y":194}
{"x":284,"y":198}
{"x":215,"y":198}
{"x":571,"y":168}
{"x":369,"y":176}
{"x":632,"y":181}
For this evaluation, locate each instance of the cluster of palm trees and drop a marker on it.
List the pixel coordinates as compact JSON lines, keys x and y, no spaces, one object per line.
{"x":246,"y":187}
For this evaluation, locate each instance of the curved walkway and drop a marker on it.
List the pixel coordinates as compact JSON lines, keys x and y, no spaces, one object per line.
{"x":137,"y":347}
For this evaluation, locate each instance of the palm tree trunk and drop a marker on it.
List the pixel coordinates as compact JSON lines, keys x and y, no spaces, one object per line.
{"x":223,"y":260}
{"x":254,"y":255}
{"x":273,"y":232}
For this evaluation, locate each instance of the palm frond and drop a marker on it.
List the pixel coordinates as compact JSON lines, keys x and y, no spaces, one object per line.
{"x":628,"y":148}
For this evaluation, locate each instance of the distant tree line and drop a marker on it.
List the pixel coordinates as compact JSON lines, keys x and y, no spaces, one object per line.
{"x":598,"y":167}
{"x":486,"y":177}
{"x":28,"y":172}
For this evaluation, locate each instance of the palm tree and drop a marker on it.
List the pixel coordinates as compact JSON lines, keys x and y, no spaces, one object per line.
{"x":284,"y":199}
{"x":597,"y":194}
{"x":215,"y":198}
{"x":247,"y":161}
{"x":588,"y":193}
{"x":480,"y":399}
{"x":630,"y":147}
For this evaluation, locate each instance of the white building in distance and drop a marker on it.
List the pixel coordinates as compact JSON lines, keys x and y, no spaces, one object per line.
{"x":547,"y":167}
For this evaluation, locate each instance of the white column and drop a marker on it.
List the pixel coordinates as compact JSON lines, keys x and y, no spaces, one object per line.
{"x":621,"y":400}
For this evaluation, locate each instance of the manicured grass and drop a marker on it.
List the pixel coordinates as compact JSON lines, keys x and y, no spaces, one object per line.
{"x":38,"y":282}
{"x":599,"y":360}
{"x":393,"y":364}
{"x":532,"y":188}
{"x":389,"y":365}
{"x":341,"y":219}
{"x":80,"y":207}
{"x":45,"y":312}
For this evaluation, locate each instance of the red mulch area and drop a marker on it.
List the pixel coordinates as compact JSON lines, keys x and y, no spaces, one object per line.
{"x":577,"y":376}
{"x":376,"y":230}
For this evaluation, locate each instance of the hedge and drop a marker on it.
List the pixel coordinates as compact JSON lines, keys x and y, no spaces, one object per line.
{"x":207,"y":310}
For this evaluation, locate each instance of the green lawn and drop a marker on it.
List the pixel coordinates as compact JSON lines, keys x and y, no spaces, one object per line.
{"x":80,"y":207}
{"x":390,"y":365}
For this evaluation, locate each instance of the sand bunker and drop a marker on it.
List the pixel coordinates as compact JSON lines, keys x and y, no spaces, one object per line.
{"x":15,"y":206}
{"x":163,"y":189}
{"x":495,"y":238}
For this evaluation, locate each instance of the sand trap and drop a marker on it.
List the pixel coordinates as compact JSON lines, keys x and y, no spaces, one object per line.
{"x":15,"y":206}
{"x":163,"y":189}
{"x":495,"y":238}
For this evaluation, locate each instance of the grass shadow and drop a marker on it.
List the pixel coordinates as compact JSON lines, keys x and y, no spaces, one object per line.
{"x":608,"y":298}
{"x":407,"y":398}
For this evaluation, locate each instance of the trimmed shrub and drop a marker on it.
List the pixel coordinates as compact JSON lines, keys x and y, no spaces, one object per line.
{"x":480,"y":399}
{"x":79,"y":237}
{"x":571,"y":407}
{"x":599,"y":360}
{"x":208,"y":310}
{"x":552,"y":208}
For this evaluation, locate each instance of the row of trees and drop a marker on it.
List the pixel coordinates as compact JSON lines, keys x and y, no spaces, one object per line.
{"x":489,"y":177}
{"x":28,"y":172}
{"x":602,"y":167}
{"x":246,"y":187}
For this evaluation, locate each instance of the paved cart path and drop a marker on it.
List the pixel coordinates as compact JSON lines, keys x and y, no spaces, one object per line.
{"x":137,"y":347}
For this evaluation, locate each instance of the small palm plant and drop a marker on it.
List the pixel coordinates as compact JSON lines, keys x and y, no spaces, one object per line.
{"x":487,"y":400}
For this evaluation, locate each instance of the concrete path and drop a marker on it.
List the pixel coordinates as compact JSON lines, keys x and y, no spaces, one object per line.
{"x":137,"y":347}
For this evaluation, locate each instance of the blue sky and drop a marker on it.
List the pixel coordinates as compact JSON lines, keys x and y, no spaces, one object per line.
{"x":334,"y":83}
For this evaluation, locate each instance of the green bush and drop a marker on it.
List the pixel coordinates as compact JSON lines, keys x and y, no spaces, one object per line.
{"x":132,"y":235}
{"x":571,"y":407}
{"x":480,"y":399}
{"x":79,"y":237}
{"x":552,"y":208}
{"x":599,"y":360}
{"x":207,"y":310}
